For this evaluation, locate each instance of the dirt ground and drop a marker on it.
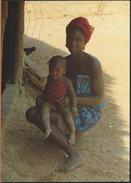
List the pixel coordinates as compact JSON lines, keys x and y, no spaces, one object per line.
{"x":25,"y":156}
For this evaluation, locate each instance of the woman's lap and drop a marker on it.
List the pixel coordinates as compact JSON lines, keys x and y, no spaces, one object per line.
{"x":86,"y":118}
{"x":33,"y":116}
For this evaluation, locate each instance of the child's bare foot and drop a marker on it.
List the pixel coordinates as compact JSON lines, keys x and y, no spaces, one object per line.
{"x":47,"y":133}
{"x":71,"y":163}
{"x":71,"y":139}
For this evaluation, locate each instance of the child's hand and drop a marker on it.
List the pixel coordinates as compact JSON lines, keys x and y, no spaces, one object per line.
{"x":38,"y":101}
{"x":74,"y":112}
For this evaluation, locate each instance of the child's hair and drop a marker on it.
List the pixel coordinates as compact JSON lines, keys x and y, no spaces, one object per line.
{"x":56,"y":59}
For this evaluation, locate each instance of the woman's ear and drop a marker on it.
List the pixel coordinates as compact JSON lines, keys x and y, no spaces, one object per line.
{"x":84,"y":47}
{"x":64,"y":71}
{"x":85,"y":43}
{"x":86,"y":40}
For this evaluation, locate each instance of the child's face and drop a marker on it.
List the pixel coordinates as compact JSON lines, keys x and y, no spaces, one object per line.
{"x":75,"y":41}
{"x":56,"y":70}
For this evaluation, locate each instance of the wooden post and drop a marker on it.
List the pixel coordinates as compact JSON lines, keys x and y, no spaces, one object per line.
{"x":19,"y":43}
{"x":4,"y":15}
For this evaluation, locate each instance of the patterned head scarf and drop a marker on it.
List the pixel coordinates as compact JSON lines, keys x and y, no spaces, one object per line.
{"x":83,"y":24}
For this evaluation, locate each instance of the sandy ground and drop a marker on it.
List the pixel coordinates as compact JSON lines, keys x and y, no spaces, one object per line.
{"x":25,"y":156}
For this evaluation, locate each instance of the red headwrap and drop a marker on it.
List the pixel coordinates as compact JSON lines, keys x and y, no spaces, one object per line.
{"x":83,"y":24}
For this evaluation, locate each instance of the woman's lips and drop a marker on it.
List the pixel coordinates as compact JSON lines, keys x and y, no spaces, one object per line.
{"x":73,"y":48}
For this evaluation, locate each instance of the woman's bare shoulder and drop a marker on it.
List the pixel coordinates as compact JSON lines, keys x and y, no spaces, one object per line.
{"x":68,"y":56}
{"x":93,"y":61}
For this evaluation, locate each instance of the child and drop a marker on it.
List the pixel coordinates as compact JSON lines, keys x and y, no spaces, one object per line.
{"x":58,"y":85}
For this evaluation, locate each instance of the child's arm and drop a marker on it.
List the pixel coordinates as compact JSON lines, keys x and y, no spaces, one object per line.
{"x":39,"y":97}
{"x":73,"y":98}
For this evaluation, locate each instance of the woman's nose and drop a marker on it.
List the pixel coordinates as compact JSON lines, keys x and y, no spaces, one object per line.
{"x":73,"y":42}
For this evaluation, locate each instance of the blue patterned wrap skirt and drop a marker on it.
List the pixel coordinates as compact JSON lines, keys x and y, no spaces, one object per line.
{"x":87,"y":117}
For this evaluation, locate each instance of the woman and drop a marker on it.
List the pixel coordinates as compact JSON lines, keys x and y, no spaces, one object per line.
{"x":86,"y":73}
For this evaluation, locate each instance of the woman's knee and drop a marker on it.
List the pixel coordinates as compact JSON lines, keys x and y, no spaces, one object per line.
{"x":27,"y":115}
{"x":30,"y":113}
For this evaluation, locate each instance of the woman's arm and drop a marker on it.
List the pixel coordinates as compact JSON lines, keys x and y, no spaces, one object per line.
{"x":97,"y":86}
{"x":73,"y":99}
{"x":72,"y":95}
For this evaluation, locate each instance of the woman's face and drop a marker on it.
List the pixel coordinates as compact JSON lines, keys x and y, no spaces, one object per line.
{"x":75,"y":41}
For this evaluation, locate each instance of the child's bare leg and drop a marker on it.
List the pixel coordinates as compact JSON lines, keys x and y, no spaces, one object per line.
{"x":45,"y":109}
{"x":67,"y":116}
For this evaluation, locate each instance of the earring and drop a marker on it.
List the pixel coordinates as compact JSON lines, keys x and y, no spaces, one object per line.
{"x":83,"y":47}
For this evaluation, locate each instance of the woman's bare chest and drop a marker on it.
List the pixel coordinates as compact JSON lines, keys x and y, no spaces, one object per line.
{"x":82,"y":69}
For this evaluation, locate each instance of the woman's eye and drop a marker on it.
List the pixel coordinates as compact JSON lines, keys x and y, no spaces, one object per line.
{"x":78,"y":39}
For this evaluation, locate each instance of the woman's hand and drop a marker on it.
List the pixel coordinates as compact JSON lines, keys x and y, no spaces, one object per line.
{"x":74,"y":112}
{"x":63,"y":102}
